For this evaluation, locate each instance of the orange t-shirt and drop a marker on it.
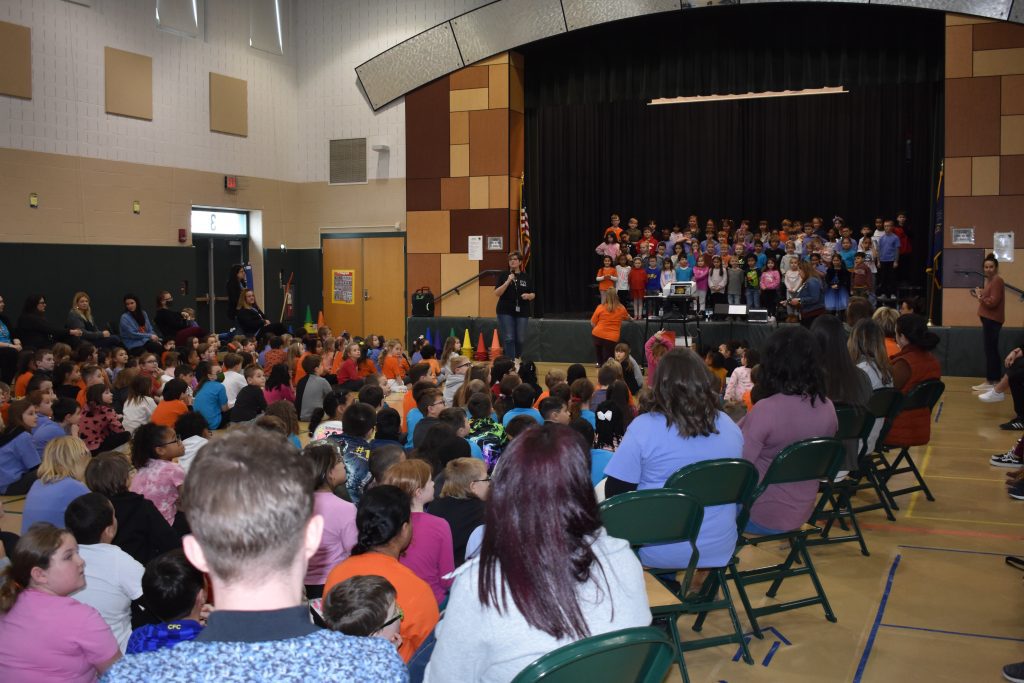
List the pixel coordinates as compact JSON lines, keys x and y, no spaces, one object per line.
{"x":21,"y":384}
{"x":608,"y":324}
{"x":394,"y":368}
{"x":366,"y":368}
{"x":543,"y":395}
{"x":272,"y":358}
{"x":414,"y":595}
{"x":891,"y":347}
{"x":299,"y":373}
{"x":168,"y":412}
{"x":605,"y":284}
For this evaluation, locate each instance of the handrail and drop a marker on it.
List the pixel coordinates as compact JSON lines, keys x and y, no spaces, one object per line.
{"x":1010,"y":287}
{"x":459,"y":286}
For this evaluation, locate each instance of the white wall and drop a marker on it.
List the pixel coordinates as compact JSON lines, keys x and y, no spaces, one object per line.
{"x":297,"y":102}
{"x":66,"y":114}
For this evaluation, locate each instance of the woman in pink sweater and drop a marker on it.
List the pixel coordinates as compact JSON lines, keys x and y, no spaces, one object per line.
{"x":656,"y":347}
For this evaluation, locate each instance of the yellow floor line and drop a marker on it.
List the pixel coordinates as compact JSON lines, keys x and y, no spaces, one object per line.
{"x":967,"y":521}
{"x":924,"y":466}
{"x":946,"y":476}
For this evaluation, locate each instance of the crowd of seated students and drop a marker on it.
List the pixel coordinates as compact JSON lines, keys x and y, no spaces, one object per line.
{"x":387,"y":514}
{"x":760,"y":267}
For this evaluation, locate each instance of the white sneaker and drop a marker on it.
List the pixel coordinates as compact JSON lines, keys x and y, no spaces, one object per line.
{"x":992,"y":396}
{"x":984,"y":386}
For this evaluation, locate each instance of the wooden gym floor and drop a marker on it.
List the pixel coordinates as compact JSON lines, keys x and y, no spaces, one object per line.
{"x":934,"y":601}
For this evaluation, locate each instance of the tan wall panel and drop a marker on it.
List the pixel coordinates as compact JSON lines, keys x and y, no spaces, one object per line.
{"x":515,"y":186}
{"x":984,"y":176}
{"x":428,"y":232}
{"x":319,"y":205}
{"x":479,"y":192}
{"x":468,"y":78}
{"x":16,"y":58}
{"x":1011,"y":174}
{"x":455,"y":193}
{"x":498,"y":87}
{"x":516,"y":96}
{"x":959,"y":52}
{"x":959,"y":308}
{"x":128,"y":80}
{"x":963,"y":19}
{"x":497,"y":189}
{"x":1012,"y":135}
{"x":1012,"y":95}
{"x":501,"y":58}
{"x":456,"y":268}
{"x":459,"y":164}
{"x":468,"y":100}
{"x":459,"y":128}
{"x":957,"y":182}
{"x":229,"y":105}
{"x":999,"y":62}
{"x":488,"y":304}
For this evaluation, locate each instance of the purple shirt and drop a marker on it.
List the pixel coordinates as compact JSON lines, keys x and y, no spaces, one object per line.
{"x":888,"y":247}
{"x":340,"y":535}
{"x":771,"y":425}
{"x":430,"y":555}
{"x":46,"y":502}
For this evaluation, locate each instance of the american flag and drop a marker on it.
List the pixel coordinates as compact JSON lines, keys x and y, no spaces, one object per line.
{"x":524,"y":226}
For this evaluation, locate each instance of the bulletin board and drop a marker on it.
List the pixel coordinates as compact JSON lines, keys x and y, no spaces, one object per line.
{"x":343,"y":286}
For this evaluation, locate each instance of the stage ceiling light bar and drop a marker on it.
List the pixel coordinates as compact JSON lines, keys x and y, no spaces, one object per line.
{"x":697,"y":99}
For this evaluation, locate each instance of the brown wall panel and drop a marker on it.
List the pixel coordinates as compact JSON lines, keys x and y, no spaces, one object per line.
{"x":1012,"y":95}
{"x":488,"y":142}
{"x":1011,"y":174}
{"x":469,"y":77}
{"x":986,"y":214}
{"x":959,"y":55}
{"x":229,"y":105}
{"x":474,"y":222}
{"x":16,"y":58}
{"x":128,"y":79}
{"x":997,"y":36}
{"x":455,"y":193}
{"x":423,"y":270}
{"x":516,"y":143}
{"x":423,"y":194}
{"x":972,"y":116}
{"x":426,"y":131}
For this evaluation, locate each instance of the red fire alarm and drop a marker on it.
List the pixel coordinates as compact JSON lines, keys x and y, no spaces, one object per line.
{"x":182,"y":235}
{"x":230,"y":182}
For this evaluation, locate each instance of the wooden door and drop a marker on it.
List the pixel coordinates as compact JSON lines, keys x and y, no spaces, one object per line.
{"x":343,"y":266}
{"x":384,"y":282}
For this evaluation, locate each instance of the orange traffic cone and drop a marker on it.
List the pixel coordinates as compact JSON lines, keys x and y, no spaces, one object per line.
{"x":320,"y":322}
{"x":495,"y":349}
{"x":481,"y":350}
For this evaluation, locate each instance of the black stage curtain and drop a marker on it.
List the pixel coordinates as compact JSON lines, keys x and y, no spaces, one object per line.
{"x":594,"y":146}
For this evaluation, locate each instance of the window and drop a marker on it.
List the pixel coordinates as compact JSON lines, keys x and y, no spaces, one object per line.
{"x":266,"y":31}
{"x":220,"y":222}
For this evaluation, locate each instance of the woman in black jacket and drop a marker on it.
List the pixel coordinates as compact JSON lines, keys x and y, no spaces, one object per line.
{"x":80,"y":318}
{"x":250,"y":318}
{"x":236,"y":284}
{"x":172,"y":324}
{"x":36,"y":332}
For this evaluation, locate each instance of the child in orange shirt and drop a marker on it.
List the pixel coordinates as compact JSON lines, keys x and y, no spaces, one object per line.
{"x":394,"y":366}
{"x":606,"y":274}
{"x":174,"y":404}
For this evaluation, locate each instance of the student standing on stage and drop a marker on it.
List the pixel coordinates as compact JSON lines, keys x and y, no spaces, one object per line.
{"x":514,"y":296}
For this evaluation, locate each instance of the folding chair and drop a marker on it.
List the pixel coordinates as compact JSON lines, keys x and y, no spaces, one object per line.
{"x":834,"y":504}
{"x":884,"y":404}
{"x":659,"y":516}
{"x":807,"y":460}
{"x":640,"y":655}
{"x":716,"y":482}
{"x":924,"y":395}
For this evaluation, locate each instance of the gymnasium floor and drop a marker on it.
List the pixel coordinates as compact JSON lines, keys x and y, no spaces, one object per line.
{"x":934,"y":601}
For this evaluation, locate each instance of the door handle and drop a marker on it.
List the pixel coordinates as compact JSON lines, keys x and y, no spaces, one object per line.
{"x":366,"y":294}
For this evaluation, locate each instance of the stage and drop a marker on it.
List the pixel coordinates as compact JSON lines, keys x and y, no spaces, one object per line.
{"x":569,"y":341}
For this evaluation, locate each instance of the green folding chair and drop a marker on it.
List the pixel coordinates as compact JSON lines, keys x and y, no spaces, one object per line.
{"x":717,"y":482}
{"x":807,"y":460}
{"x":834,"y":502}
{"x":924,"y":395}
{"x":659,"y":516}
{"x":884,"y":404}
{"x":640,"y":655}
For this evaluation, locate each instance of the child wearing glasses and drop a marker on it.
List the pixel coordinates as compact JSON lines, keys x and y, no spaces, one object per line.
{"x":158,"y":478}
{"x":365,"y":606}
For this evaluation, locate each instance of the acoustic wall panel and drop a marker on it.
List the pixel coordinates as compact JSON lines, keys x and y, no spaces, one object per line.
{"x":583,"y":13}
{"x":229,"y":105}
{"x":994,"y":9}
{"x":16,"y":58}
{"x":504,"y":25}
{"x":410,"y":64}
{"x":128,"y":81}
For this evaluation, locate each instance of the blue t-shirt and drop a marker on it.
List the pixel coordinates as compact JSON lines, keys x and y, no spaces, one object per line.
{"x":17,"y":457}
{"x":762,"y":259}
{"x":152,"y":637}
{"x":650,"y":453}
{"x":208,"y":402}
{"x":653,"y":279}
{"x":589,"y":416}
{"x":46,"y":431}
{"x":5,"y":334}
{"x":411,"y":420}
{"x":888,"y":247}
{"x":599,"y":459}
{"x":684,"y":274}
{"x":515,"y":412}
{"x":47,"y":502}
{"x":848,"y":256}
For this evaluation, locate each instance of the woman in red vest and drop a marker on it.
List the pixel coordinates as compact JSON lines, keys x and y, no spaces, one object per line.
{"x":915,"y":363}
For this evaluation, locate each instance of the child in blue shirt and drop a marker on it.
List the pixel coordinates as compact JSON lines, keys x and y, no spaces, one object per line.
{"x":684,"y":273}
{"x":175,"y":593}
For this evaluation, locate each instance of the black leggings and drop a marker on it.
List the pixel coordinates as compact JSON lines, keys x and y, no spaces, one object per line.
{"x":993,"y":363}
{"x":603,"y":349}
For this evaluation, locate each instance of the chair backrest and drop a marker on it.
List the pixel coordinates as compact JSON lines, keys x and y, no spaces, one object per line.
{"x":851,"y":421}
{"x":653,"y":516}
{"x":885,"y":403}
{"x":643,"y":655}
{"x":810,"y":459}
{"x":924,"y":395}
{"x":719,"y":482}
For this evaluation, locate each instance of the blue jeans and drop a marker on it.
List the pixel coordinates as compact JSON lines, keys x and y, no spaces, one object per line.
{"x":512,"y":329}
{"x":735,"y":299}
{"x":418,"y":664}
{"x":755,"y":528}
{"x":753,"y":298}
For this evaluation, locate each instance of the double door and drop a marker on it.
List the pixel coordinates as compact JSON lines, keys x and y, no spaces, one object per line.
{"x":364,"y":285}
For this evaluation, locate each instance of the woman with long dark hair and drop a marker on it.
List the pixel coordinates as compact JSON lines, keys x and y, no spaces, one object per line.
{"x":684,"y":426}
{"x":547,"y":574}
{"x":172,"y":324}
{"x":137,"y":331}
{"x":236,"y":283}
{"x":792,"y":405}
{"x":36,"y":331}
{"x":992,"y":313}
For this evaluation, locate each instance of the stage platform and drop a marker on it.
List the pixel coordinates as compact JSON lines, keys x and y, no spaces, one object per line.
{"x":569,"y":341}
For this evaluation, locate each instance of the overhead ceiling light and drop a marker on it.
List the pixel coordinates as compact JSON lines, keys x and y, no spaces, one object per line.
{"x":695,"y":99}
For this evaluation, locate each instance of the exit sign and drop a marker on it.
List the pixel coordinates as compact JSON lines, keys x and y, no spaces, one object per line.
{"x":230,"y":182}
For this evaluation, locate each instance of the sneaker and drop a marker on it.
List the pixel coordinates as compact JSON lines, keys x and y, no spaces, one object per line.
{"x":1014,"y":425}
{"x":984,"y":386}
{"x":1016,"y":492}
{"x":992,"y":396}
{"x":1007,"y":459}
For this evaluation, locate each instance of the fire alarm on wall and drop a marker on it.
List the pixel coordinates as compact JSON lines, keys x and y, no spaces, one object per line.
{"x":230,"y":182}
{"x":182,"y":235}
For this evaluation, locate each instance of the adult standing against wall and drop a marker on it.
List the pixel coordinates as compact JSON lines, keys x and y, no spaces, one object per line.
{"x":236,"y":283}
{"x":992,"y":311}
{"x":514,"y":296}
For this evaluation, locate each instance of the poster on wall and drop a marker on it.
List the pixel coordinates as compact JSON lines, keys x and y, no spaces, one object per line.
{"x":342,"y":286}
